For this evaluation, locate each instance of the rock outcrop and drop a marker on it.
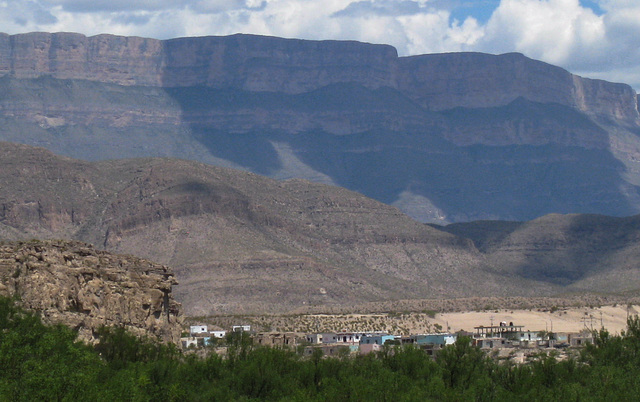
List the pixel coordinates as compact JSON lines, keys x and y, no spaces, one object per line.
{"x":74,"y":284}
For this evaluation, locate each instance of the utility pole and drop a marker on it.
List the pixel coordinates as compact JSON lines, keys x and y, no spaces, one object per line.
{"x":601,"y":325}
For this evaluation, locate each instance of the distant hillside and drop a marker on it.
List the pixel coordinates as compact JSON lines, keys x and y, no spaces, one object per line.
{"x":592,"y":252}
{"x":239,"y":242}
{"x":444,"y":137}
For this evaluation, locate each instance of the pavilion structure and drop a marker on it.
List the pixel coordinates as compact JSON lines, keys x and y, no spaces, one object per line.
{"x":499,"y":331}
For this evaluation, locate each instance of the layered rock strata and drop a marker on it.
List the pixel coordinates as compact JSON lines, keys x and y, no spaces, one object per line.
{"x":445,"y":137}
{"x":267,"y":64}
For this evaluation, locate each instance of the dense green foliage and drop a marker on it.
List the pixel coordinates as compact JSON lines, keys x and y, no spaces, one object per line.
{"x":43,"y":363}
{"x":39,"y":362}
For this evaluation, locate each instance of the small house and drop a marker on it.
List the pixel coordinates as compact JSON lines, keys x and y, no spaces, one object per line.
{"x":492,"y":342}
{"x":241,"y":328}
{"x":434,"y":339}
{"x":581,"y":339}
{"x":189,"y":342}
{"x":277,"y":339}
{"x":367,"y":348}
{"x":198,"y":329}
{"x":377,"y":339}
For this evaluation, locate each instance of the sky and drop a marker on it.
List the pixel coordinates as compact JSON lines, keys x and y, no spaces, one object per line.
{"x":592,"y":38}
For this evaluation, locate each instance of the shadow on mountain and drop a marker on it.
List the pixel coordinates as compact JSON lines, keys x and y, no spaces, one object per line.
{"x":581,"y":251}
{"x":469,"y":183}
{"x":473,"y":182}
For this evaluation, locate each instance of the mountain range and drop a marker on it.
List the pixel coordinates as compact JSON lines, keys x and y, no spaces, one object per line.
{"x":240,"y":242}
{"x":446,"y":138}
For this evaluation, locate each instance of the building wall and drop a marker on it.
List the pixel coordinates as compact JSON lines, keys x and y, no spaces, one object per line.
{"x":376,"y":339}
{"x":198,"y":329}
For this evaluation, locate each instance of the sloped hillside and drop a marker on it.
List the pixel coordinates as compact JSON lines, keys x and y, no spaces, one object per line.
{"x":239,"y":241}
{"x":581,"y":252}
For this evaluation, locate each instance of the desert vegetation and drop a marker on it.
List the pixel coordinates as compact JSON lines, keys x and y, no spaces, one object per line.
{"x":39,"y":362}
{"x":400,"y":323}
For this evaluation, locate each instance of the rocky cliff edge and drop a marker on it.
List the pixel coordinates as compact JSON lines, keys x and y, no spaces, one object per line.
{"x":74,"y":284}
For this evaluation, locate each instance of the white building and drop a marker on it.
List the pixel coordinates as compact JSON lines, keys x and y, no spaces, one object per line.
{"x":189,"y":342}
{"x":198,"y":329}
{"x":349,"y":337}
{"x":241,"y":328}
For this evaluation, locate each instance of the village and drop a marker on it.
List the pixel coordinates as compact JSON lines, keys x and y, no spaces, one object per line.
{"x":505,"y":341}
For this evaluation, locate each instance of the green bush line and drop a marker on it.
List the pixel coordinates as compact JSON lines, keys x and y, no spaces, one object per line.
{"x":39,"y":362}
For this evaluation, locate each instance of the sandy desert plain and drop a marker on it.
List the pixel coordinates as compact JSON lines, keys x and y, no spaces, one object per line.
{"x":557,"y":319}
{"x":613,"y":319}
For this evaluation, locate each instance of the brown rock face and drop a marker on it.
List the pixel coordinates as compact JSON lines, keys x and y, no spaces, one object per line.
{"x":106,"y":58}
{"x":250,"y":62}
{"x":74,"y":284}
{"x":267,"y":64}
{"x":446,"y":81}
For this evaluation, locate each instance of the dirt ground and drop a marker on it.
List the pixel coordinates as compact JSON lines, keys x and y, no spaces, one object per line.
{"x":564,"y":319}
{"x":614,"y":319}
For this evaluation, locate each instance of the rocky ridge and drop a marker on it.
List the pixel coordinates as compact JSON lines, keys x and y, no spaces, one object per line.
{"x":243,"y":243}
{"x":587,"y":251}
{"x":84,"y":288}
{"x":240,"y":242}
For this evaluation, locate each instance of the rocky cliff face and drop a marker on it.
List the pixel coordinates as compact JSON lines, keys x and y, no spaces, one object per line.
{"x":105,"y":58}
{"x":74,"y":284}
{"x":469,"y":80}
{"x":446,"y":137}
{"x":267,"y":64}
{"x":252,"y":63}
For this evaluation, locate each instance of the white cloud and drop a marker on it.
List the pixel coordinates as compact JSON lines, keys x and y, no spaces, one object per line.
{"x":561,"y":32}
{"x":548,"y":30}
{"x":564,"y":33}
{"x":428,"y":33}
{"x":89,"y":6}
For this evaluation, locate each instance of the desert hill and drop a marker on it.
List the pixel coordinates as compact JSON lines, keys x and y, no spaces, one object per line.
{"x":586,"y":251}
{"x":444,"y":137}
{"x":240,"y":242}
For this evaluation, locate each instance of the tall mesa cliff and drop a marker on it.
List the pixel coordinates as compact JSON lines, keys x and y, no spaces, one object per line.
{"x":258,"y":63}
{"x":444,"y":137}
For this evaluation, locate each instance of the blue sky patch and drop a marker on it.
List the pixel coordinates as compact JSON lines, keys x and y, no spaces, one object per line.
{"x":593,"y":5}
{"x":481,"y":10}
